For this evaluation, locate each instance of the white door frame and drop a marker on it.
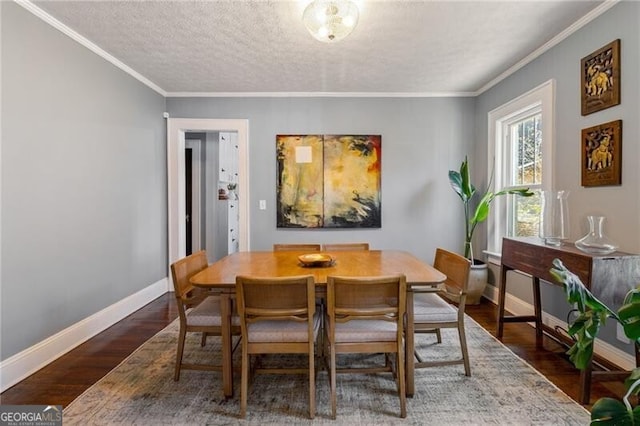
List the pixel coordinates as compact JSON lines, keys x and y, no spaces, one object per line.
{"x":176,"y":129}
{"x":196,"y":192}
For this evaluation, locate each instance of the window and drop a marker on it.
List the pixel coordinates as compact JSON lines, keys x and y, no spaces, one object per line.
{"x":520,"y":156}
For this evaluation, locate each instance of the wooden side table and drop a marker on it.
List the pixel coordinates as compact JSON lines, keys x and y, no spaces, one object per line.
{"x":608,"y":277}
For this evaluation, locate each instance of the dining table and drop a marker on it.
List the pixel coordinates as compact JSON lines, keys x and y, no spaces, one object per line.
{"x":220,"y":277}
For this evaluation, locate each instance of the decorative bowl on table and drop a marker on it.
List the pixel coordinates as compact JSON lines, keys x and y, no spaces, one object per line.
{"x":315,"y":260}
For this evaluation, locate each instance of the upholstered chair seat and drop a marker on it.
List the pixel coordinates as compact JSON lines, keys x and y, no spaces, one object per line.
{"x":282,"y":331}
{"x":360,"y":331}
{"x":207,"y":314}
{"x":429,"y":307}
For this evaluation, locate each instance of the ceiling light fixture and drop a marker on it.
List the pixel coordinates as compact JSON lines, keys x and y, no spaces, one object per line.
{"x":330,"y":20}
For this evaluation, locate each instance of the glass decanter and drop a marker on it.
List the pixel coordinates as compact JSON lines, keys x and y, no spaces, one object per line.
{"x":595,"y":241}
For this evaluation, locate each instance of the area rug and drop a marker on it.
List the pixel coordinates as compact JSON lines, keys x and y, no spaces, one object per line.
{"x":502,"y":390}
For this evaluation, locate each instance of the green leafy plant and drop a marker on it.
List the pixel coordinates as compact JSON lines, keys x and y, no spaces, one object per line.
{"x":592,"y":314}
{"x":461,"y":184}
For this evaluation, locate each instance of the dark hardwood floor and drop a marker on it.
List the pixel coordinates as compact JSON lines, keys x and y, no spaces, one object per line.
{"x":62,"y":381}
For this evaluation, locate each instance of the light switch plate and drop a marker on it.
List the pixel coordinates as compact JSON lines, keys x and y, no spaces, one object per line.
{"x":263,"y":204}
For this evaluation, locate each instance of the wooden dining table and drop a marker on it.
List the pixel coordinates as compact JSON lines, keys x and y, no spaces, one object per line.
{"x":221,"y":277}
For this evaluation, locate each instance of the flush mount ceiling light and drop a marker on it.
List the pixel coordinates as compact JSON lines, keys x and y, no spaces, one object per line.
{"x":330,"y":20}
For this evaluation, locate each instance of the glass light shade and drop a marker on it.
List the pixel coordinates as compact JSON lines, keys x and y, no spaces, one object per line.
{"x":330,"y":20}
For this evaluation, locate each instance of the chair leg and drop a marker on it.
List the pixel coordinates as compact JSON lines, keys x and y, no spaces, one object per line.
{"x":332,"y":380}
{"x":388,"y":364}
{"x":204,"y":339}
{"x":322,"y":332}
{"x":438,"y":335}
{"x":390,"y":367}
{"x":465,"y":352}
{"x":181,"y":338}
{"x":402,"y":388}
{"x":244,"y":381}
{"x":312,"y":383}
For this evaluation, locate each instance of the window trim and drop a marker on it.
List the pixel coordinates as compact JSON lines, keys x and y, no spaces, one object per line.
{"x":544,"y":96}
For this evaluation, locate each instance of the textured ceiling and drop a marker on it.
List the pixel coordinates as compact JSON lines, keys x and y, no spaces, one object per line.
{"x":251,"y":46}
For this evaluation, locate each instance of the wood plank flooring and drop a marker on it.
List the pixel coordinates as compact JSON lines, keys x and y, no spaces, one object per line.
{"x":62,"y":381}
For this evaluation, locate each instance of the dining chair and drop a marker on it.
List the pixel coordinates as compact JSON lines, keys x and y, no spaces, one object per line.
{"x":304,"y":247}
{"x":296,"y":247}
{"x":199,"y":311}
{"x":345,"y":246}
{"x":433,"y":311}
{"x":366,"y":315}
{"x":277,"y":315}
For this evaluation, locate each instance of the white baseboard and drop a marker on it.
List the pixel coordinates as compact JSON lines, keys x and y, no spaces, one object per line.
{"x":30,"y":360}
{"x":607,"y":351}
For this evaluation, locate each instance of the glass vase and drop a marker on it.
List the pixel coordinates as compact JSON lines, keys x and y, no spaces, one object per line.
{"x":554,"y":220}
{"x":595,"y":241}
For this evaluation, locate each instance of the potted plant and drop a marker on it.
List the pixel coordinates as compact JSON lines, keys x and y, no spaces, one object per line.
{"x":592,"y":314}
{"x":461,"y":184}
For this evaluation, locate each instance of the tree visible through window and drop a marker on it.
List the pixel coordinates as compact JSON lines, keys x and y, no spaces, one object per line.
{"x":526,"y":137}
{"x":520,"y":144}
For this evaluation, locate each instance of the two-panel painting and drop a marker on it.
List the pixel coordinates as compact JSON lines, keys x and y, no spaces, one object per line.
{"x":328,"y":181}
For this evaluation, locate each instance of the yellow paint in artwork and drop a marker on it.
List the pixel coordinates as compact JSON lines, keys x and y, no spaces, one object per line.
{"x":348,"y":175}
{"x":328,"y":180}
{"x":301,"y":182}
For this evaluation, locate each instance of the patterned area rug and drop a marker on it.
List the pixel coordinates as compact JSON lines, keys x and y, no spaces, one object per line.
{"x":503,"y":389}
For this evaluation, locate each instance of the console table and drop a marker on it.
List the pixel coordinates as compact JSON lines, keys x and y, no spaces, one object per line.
{"x":608,"y":277}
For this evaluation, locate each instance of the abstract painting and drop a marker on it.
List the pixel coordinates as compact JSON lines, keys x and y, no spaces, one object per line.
{"x":328,"y":181}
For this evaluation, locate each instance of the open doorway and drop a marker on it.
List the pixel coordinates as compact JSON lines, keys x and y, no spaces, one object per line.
{"x":193,"y":192}
{"x":176,"y":142}
{"x":188,"y":200}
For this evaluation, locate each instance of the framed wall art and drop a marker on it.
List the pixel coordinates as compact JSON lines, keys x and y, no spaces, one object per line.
{"x":602,"y":154}
{"x":328,"y":181}
{"x":600,"y":78}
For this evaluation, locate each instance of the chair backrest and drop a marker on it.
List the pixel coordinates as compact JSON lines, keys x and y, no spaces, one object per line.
{"x":345,"y":246}
{"x":382,"y":297}
{"x":183,"y":269}
{"x":456,"y":268}
{"x":296,"y":247}
{"x":275,"y":298}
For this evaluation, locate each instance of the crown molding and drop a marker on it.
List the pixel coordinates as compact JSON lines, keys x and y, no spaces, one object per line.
{"x":318,"y":94}
{"x":608,"y":4}
{"x":599,"y":10}
{"x":88,"y":44}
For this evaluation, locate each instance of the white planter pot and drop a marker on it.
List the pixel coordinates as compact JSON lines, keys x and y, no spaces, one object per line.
{"x":478,"y":277}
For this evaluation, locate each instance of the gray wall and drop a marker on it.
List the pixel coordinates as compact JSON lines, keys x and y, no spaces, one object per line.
{"x":421,"y":140}
{"x":83,"y":182}
{"x":620,"y":204}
